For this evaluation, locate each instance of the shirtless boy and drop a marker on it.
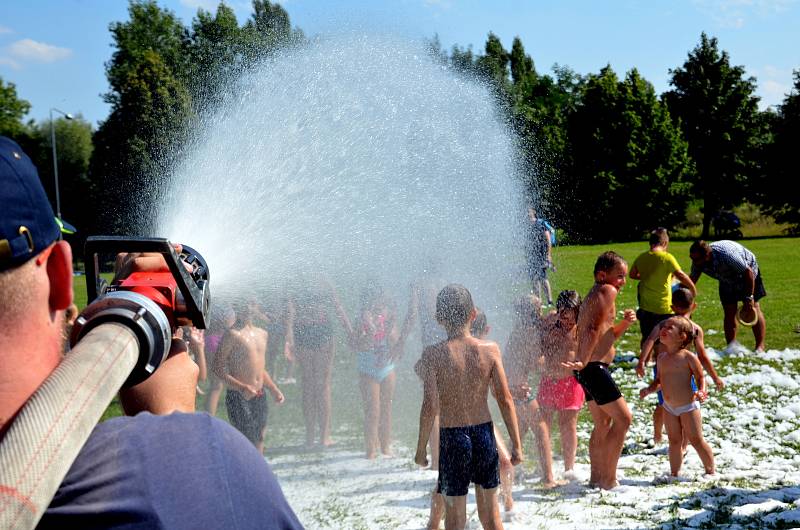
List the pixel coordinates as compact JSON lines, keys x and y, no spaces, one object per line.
{"x":559,"y":391}
{"x":240,"y":364}
{"x":677,"y":366}
{"x":457,"y":375}
{"x":596,"y":335}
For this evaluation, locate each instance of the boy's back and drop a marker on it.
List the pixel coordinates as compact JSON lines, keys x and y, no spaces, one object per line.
{"x":462,"y":369}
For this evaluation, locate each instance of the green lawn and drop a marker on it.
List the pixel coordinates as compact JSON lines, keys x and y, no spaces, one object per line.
{"x":778,"y":259}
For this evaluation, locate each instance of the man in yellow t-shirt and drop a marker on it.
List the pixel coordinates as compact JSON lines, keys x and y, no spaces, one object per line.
{"x":654,"y":269}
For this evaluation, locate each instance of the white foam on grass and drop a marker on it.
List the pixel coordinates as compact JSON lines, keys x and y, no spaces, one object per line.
{"x":754,"y":433}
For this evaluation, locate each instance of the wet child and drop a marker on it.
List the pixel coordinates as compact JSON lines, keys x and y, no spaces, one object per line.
{"x":457,"y":375}
{"x":480,"y":329}
{"x":522,"y":351}
{"x":559,"y":391}
{"x":677,"y":366}
{"x":222,"y":319}
{"x":597,"y":333}
{"x":378,"y":340}
{"x":240,"y":363}
{"x":683,"y":304}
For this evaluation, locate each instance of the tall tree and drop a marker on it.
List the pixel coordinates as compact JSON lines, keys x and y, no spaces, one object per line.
{"x":783,"y":161}
{"x":718,"y":112}
{"x":150,"y":111}
{"x":12,"y":110}
{"x":74,"y":149}
{"x":628,"y":161}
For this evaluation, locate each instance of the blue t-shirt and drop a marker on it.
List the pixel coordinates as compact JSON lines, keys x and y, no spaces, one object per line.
{"x":176,"y":471}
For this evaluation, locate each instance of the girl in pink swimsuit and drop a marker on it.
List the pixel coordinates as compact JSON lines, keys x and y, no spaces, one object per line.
{"x":559,"y":391}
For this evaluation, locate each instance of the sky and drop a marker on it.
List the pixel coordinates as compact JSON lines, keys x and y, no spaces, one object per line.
{"x":54,"y":51}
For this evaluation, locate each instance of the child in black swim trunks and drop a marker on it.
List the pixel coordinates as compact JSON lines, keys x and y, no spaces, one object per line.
{"x":597,"y":332}
{"x":457,"y":375}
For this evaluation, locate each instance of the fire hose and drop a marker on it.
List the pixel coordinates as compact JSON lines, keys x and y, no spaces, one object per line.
{"x":120,"y":339}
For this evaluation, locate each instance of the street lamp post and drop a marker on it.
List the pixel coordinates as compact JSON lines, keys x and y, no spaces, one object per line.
{"x":68,"y":116}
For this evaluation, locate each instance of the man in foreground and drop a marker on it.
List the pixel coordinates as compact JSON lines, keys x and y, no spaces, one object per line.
{"x":177,"y":470}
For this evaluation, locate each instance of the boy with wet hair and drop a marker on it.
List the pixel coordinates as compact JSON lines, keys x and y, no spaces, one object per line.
{"x":683,"y":305}
{"x":597,"y":333}
{"x":678,"y":370}
{"x":457,"y":375}
{"x":241,"y":364}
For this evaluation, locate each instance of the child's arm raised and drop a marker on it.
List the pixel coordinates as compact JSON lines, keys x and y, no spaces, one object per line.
{"x":647,"y":350}
{"x":399,"y":344}
{"x":628,"y":318}
{"x":705,"y":361}
{"x":430,"y":405}
{"x":502,"y":394}
{"x":342,"y":314}
{"x":288,"y":325}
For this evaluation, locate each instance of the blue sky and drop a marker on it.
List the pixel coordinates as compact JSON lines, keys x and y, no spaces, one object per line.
{"x":55,"y":50}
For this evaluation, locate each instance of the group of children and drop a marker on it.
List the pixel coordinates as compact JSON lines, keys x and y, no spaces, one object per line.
{"x":570,"y":350}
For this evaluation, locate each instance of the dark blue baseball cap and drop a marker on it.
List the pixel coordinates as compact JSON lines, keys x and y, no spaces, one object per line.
{"x":27,"y":223}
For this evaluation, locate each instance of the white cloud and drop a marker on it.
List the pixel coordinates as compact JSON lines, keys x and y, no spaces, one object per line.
{"x":31,"y":50}
{"x":11,"y":63}
{"x":4,"y":29}
{"x":773,"y":84}
{"x":735,"y":13}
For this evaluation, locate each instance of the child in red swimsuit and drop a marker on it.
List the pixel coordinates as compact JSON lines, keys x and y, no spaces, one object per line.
{"x":559,"y":391}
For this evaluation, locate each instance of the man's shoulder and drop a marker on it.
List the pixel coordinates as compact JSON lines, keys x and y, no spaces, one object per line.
{"x":151,"y":468}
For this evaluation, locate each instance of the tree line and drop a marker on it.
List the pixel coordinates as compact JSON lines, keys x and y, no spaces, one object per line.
{"x":603,"y":155}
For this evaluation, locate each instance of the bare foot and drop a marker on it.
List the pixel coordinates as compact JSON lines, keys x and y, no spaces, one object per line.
{"x":372,"y":455}
{"x":327,"y":442}
{"x":609,"y":485}
{"x":550,"y":484}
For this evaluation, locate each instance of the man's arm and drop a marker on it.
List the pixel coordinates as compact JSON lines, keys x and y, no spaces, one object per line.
{"x":273,"y":388}
{"x":343,"y":318}
{"x":429,"y":409}
{"x":686,"y":281}
{"x":198,"y":346}
{"x":506,"y":403}
{"x":749,"y":285}
{"x":634,"y":273}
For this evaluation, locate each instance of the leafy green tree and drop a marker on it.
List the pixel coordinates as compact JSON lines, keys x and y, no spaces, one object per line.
{"x":718,"y":112}
{"x":12,"y":110}
{"x":74,"y":148}
{"x":784,"y":161}
{"x":628,"y":161}
{"x":495,"y":62}
{"x":150,"y":114}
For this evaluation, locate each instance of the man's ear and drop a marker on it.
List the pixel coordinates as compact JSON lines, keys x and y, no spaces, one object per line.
{"x":59,"y":271}
{"x":472,"y":315}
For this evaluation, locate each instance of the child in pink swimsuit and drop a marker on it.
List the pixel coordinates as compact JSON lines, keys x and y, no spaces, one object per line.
{"x":559,"y":391}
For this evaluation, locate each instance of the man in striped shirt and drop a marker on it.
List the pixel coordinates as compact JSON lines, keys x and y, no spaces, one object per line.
{"x":739,"y":278}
